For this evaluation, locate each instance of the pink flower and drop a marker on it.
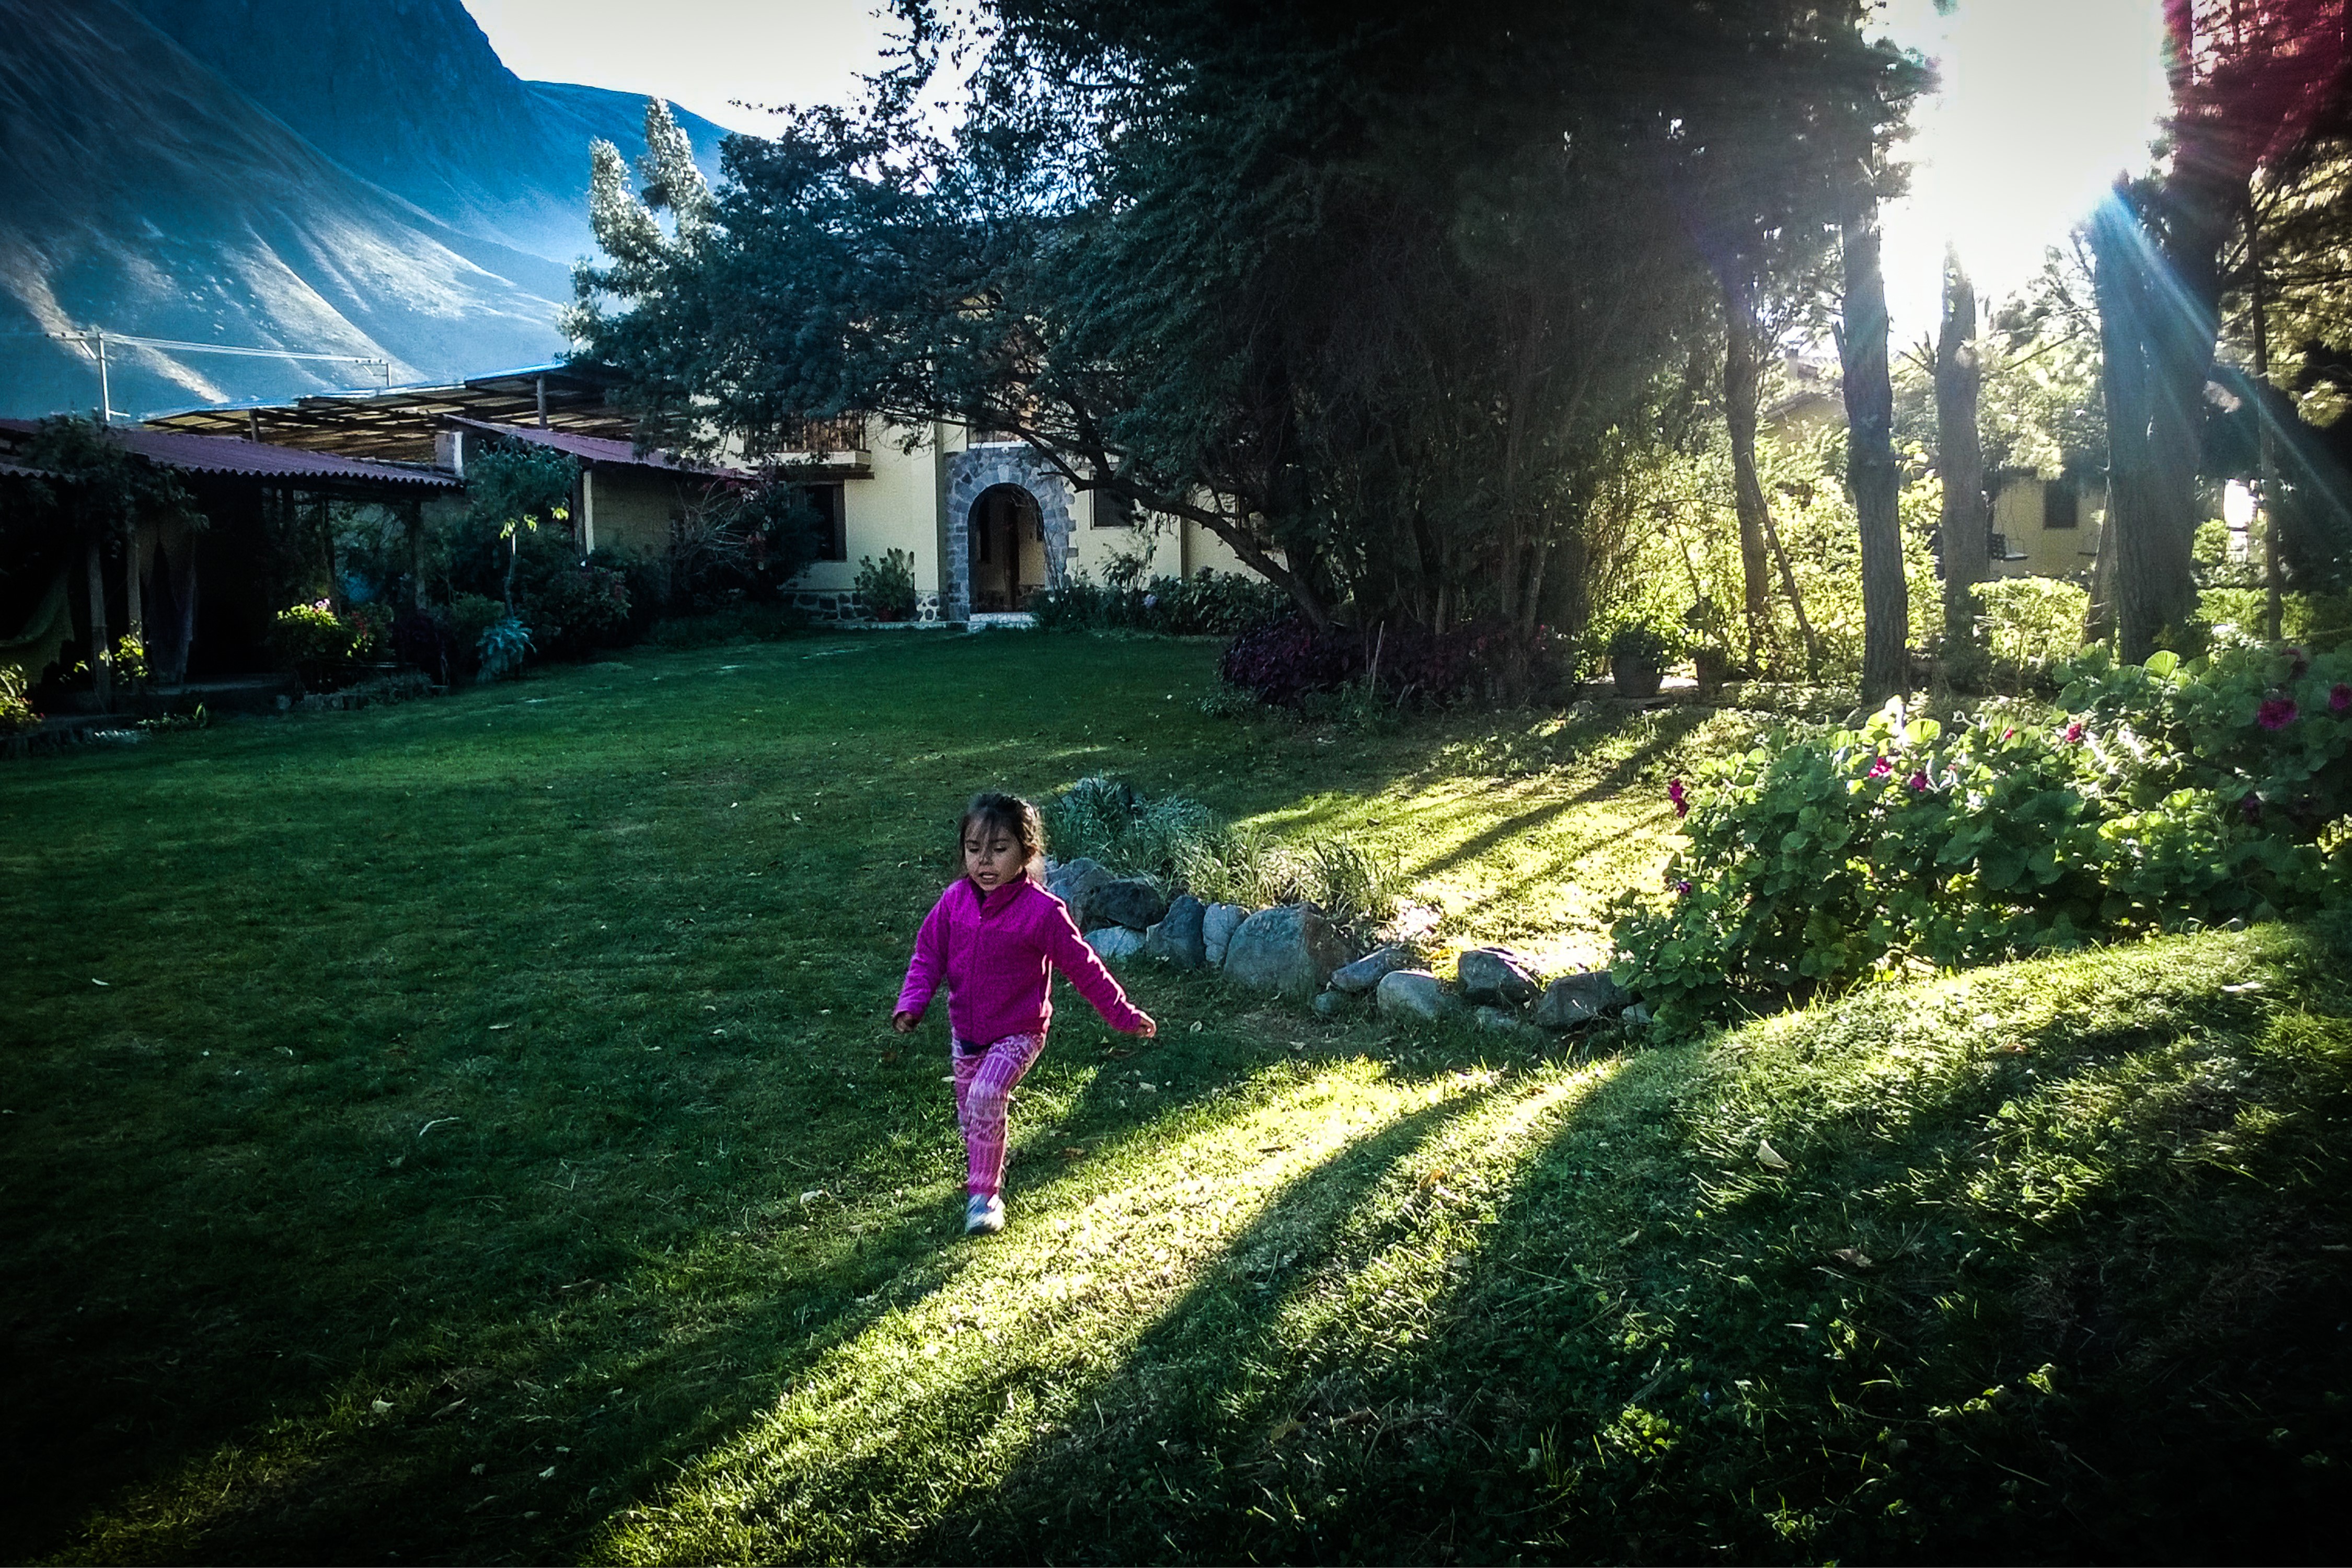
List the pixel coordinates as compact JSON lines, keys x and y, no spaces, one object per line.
{"x":1682,"y":886}
{"x":2009,"y":735}
{"x":2339,"y":699}
{"x":1680,"y":796}
{"x":1918,"y":783}
{"x":2074,"y":733}
{"x":2276,"y":713}
{"x":1882,"y":768}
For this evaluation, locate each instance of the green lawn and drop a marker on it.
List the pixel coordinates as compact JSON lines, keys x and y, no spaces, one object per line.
{"x":488,"y":1143}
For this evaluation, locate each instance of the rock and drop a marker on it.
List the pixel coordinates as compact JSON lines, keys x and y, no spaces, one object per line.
{"x":1414,"y":994}
{"x":1112,"y":943}
{"x":1333,"y":1004}
{"x":1637,"y":1014}
{"x":1574,"y":999}
{"x":1217,"y":928}
{"x":1290,"y":951}
{"x":1129,"y":902}
{"x":1494,"y":1021}
{"x":1177,"y":937}
{"x":1365,"y":972}
{"x":1077,"y":886}
{"x":1492,"y":975}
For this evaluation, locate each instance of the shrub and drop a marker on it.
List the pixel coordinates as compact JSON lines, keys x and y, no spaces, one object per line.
{"x":577,"y":610}
{"x":322,"y":647}
{"x":423,"y":639}
{"x":470,"y":616}
{"x":887,"y":587}
{"x":2030,"y":626}
{"x":1208,"y":602}
{"x":17,"y":714}
{"x":1178,"y":843}
{"x":2167,"y":796}
{"x":504,"y":645}
{"x":1638,"y":644}
{"x":1284,"y":662}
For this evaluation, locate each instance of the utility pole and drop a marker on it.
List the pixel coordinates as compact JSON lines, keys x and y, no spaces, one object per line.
{"x":94,"y":343}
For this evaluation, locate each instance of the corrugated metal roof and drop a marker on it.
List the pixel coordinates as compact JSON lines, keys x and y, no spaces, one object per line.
{"x":258,"y":459}
{"x":597,"y":448}
{"x":18,"y":471}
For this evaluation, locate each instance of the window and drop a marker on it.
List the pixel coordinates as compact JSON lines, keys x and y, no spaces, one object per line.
{"x":832,"y":532}
{"x":1113,"y":511}
{"x":2062,"y":504}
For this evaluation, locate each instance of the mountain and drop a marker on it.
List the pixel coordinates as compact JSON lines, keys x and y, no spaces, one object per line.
{"x":410,"y":95}
{"x":362,"y":180}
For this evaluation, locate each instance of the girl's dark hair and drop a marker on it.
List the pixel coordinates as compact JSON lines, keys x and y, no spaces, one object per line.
{"x":990,"y":812}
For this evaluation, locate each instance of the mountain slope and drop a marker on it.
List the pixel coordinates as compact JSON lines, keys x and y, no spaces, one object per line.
{"x":141,"y":192}
{"x":410,"y":95}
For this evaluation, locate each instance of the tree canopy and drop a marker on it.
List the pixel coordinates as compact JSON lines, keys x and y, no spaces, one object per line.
{"x":1379,"y":294}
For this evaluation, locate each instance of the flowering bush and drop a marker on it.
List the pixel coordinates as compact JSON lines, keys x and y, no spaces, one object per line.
{"x":321,"y":646}
{"x":16,"y":715}
{"x":2169,"y":794}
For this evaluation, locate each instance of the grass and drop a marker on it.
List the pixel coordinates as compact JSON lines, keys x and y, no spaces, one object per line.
{"x":488,"y":1143}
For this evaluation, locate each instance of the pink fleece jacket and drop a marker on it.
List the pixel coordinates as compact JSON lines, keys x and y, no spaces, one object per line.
{"x":998,"y":957}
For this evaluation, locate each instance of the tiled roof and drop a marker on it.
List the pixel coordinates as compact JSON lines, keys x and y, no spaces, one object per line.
{"x":596,"y":449}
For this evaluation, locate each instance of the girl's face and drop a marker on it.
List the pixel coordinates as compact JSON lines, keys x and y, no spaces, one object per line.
{"x":991,"y":856}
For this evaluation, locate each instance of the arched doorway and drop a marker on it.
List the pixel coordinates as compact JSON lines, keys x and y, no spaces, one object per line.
{"x":1006,"y":538}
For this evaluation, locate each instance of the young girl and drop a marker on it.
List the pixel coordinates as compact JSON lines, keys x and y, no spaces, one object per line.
{"x":996,"y":937}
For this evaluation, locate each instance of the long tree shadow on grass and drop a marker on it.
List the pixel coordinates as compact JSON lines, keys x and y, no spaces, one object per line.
{"x":867,"y":1470}
{"x":645,"y":1332}
{"x":1947,"y":1327}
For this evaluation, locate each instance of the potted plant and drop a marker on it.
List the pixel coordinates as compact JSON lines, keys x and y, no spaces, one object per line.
{"x":1711,"y":662}
{"x":1638,"y":656}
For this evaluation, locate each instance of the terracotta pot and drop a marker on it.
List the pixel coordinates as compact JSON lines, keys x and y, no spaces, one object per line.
{"x":1635,"y":678}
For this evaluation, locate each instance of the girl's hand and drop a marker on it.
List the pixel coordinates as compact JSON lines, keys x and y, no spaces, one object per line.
{"x":1148,"y":1029}
{"x":903,"y":1022}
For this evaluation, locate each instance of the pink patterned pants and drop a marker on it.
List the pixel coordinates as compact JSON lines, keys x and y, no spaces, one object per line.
{"x":983,"y":1087}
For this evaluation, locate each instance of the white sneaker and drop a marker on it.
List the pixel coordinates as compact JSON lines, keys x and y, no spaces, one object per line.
{"x":983,"y":1214}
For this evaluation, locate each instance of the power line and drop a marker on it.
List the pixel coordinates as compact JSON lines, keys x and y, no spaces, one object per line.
{"x":94,"y":342}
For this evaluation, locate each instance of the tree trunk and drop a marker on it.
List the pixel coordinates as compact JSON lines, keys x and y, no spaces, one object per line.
{"x":135,"y":606}
{"x":1870,"y":458}
{"x":1740,"y":396}
{"x":2099,"y":615}
{"x":1960,"y":457}
{"x":2156,"y":339}
{"x":101,"y":646}
{"x":1796,"y":602}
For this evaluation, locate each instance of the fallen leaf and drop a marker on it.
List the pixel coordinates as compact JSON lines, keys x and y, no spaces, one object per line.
{"x":380,"y":1406}
{"x":495,"y":1028}
{"x":2012,"y":1049}
{"x":1282,"y":1429}
{"x":1196,"y":1026}
{"x":1769,"y":1157}
{"x":1853,"y":1257}
{"x":544,"y":1474}
{"x":479,"y":1469}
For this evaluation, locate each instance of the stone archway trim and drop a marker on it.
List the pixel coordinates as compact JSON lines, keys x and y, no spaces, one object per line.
{"x":979,"y":468}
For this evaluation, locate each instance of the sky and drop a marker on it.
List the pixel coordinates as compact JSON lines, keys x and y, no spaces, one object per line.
{"x":2041,"y":103}
{"x":703,"y":55}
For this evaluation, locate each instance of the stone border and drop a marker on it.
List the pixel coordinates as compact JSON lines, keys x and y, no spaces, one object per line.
{"x":846,"y":609}
{"x":978,"y":469}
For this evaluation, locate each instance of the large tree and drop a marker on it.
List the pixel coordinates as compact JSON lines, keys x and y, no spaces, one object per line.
{"x":2254,"y":84}
{"x":1374,"y":294}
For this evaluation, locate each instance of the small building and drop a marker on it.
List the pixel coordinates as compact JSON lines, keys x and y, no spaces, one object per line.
{"x":986,"y":522}
{"x":2045,"y":528}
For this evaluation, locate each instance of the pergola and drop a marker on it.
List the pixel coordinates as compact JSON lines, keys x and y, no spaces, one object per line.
{"x":399,"y":425}
{"x":242,"y":485}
